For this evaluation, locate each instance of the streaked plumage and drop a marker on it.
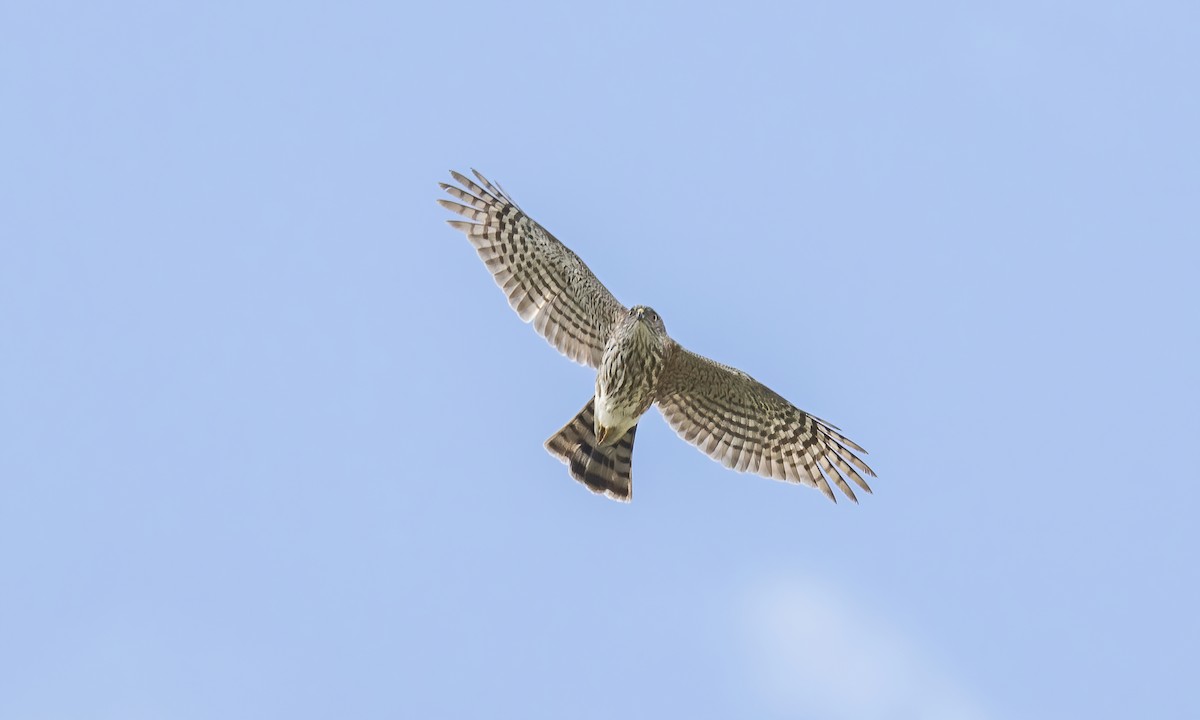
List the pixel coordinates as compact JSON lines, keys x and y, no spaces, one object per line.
{"x":726,"y":413}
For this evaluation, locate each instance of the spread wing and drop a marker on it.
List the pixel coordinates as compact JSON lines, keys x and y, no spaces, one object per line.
{"x":746,"y":426}
{"x":546,"y":283}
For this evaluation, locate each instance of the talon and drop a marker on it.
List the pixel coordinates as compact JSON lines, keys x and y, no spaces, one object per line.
{"x":601,"y":434}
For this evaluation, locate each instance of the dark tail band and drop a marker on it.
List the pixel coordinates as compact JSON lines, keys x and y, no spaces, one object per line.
{"x":604,"y":470}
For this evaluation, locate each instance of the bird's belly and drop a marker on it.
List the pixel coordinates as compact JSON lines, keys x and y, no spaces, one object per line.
{"x":625,"y":385}
{"x":617,"y":414}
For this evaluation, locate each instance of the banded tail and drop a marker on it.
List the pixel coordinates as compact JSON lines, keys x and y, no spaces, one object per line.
{"x":604,"y":470}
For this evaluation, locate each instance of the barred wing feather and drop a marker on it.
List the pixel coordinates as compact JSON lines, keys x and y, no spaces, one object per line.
{"x":746,"y":426}
{"x":546,"y":284}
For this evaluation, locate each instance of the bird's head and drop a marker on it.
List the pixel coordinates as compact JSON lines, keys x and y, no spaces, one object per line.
{"x":646,"y":317}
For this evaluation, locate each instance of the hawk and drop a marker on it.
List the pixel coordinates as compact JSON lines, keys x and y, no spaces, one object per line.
{"x":729,"y":415}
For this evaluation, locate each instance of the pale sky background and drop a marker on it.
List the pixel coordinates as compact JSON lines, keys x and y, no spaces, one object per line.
{"x":271,"y":439}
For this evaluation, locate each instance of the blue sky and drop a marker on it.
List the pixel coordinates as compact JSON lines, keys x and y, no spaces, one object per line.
{"x":271,"y":439}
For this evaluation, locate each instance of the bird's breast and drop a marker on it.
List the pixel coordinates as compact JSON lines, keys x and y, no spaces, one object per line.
{"x":625,"y":380}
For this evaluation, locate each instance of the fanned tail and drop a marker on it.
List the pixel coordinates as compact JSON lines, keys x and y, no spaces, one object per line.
{"x":604,"y":470}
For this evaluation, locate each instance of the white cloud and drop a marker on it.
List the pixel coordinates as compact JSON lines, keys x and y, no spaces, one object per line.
{"x":815,"y":654}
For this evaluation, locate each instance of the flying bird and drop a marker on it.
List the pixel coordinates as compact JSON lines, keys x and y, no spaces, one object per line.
{"x":729,"y":415}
